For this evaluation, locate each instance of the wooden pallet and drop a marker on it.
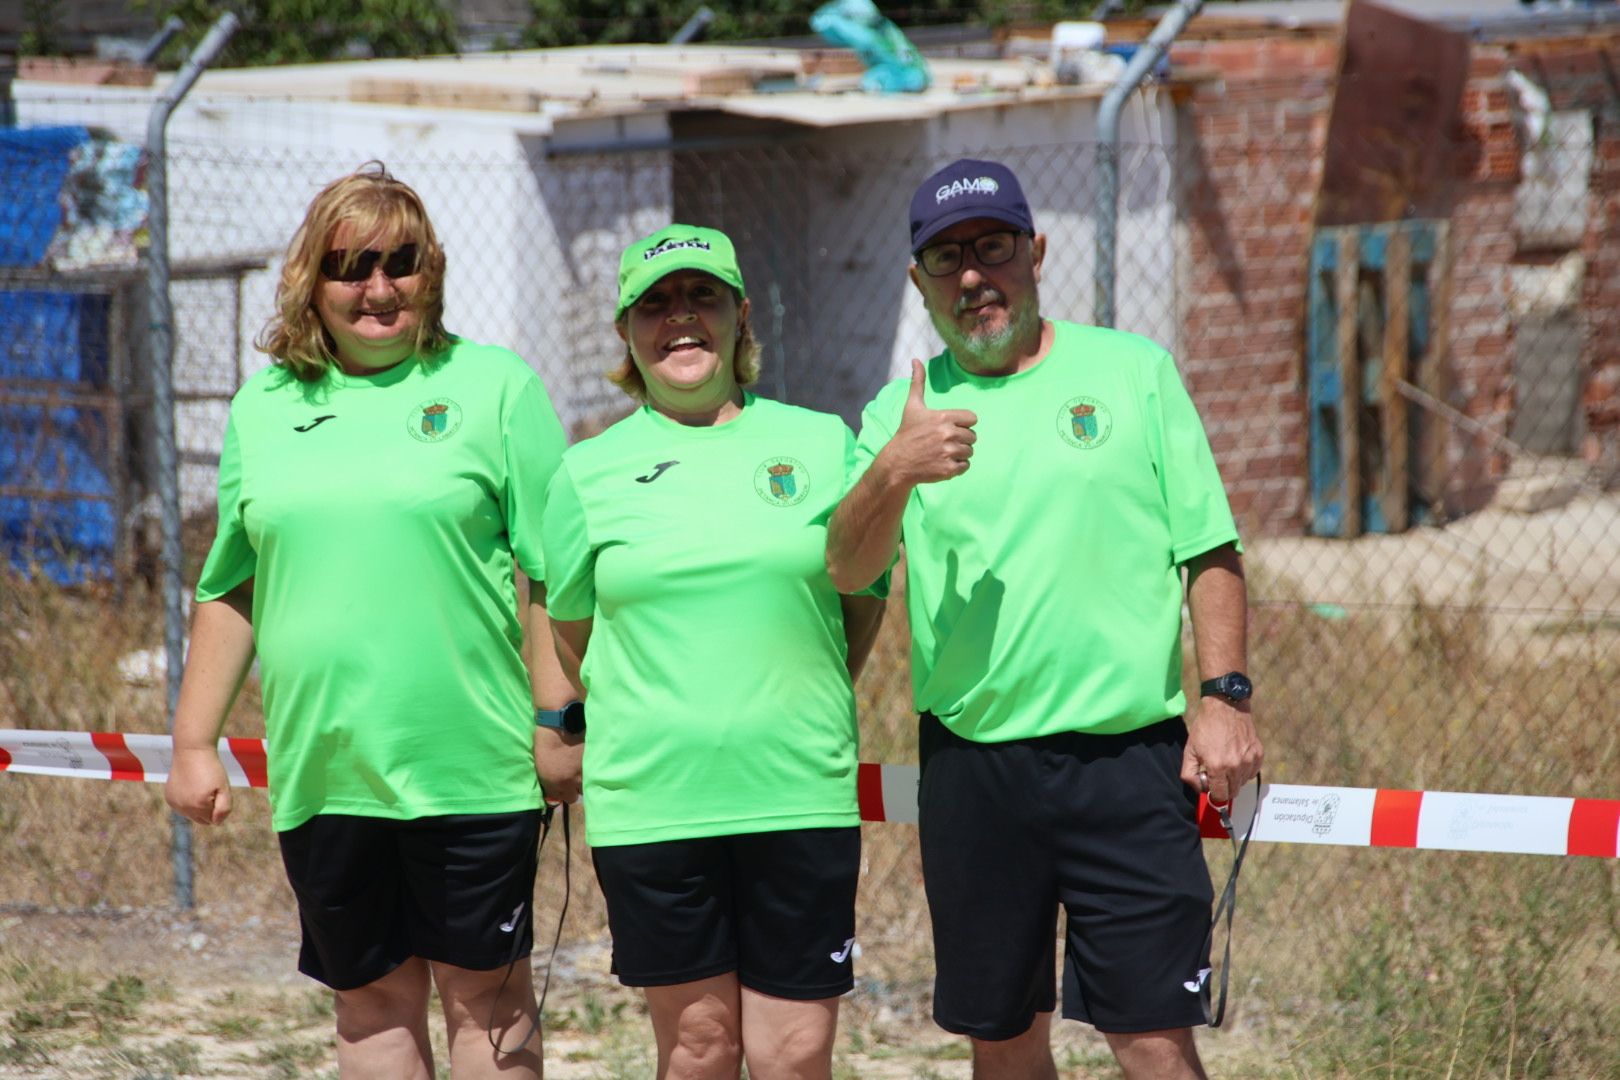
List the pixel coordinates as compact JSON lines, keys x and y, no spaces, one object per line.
{"x":1376,"y":333}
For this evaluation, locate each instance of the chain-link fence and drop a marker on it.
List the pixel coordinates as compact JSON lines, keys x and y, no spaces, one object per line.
{"x":1416,"y":420}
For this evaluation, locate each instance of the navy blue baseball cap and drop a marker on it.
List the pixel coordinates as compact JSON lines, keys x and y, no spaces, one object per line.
{"x":967,"y":189}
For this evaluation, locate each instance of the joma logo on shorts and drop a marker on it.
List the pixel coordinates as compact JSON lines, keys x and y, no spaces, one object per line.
{"x":673,"y":245}
{"x":982,"y":185}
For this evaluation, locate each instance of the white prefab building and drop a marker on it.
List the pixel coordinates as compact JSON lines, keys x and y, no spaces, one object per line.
{"x":538,"y":168}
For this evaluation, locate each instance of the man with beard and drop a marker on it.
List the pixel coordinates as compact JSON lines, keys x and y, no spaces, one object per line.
{"x":1044,"y":588}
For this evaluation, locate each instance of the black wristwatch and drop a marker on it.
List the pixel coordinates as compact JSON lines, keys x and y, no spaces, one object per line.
{"x":1234,"y":686}
{"x":570,"y":718}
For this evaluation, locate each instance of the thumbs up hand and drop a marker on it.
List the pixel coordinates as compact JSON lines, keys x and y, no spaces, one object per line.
{"x":930,"y":444}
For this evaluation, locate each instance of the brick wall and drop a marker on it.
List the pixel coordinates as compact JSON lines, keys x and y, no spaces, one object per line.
{"x":1601,"y":299}
{"x":1254,"y":138}
{"x":1580,"y":75}
{"x":1479,"y":358}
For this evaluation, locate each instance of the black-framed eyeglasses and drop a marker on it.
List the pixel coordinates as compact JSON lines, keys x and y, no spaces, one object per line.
{"x":348,"y":266}
{"x":991,"y":249}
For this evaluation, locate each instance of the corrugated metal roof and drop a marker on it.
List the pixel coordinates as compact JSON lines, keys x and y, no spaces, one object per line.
{"x":615,"y":80}
{"x":629,"y":74}
{"x":826,"y":110}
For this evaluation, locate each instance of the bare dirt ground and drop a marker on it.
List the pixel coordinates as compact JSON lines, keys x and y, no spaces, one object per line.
{"x":153,"y":994}
{"x":1545,"y":581}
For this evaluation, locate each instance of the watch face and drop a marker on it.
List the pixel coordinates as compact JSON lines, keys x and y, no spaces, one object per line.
{"x":1233,"y":686}
{"x":573,"y":717}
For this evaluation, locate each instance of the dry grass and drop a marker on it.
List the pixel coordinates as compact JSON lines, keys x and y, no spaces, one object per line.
{"x":1348,"y":963}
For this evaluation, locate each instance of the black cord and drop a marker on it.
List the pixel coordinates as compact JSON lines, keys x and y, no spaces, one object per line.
{"x":535,"y":1021}
{"x":1228,"y":906}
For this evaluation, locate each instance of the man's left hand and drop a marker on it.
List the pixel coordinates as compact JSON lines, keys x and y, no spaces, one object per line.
{"x":558,"y":757}
{"x":1223,"y":750}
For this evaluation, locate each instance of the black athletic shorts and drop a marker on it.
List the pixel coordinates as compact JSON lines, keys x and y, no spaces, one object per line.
{"x":373,"y":892}
{"x":1099,"y":823}
{"x":778,"y":908}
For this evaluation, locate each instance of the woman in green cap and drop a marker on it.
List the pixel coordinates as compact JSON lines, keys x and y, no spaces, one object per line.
{"x":691,"y":603}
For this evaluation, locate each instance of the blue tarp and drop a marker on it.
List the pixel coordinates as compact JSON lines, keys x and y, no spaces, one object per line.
{"x":51,"y":336}
{"x":34,"y":163}
{"x":50,"y":341}
{"x":70,"y":540}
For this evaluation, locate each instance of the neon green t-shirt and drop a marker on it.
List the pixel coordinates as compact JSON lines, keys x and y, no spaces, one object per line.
{"x":716,"y":691}
{"x":1043,"y":584}
{"x":378,"y":517}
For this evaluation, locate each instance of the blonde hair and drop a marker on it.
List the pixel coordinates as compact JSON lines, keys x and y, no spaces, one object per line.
{"x":371,"y":203}
{"x":744,"y":362}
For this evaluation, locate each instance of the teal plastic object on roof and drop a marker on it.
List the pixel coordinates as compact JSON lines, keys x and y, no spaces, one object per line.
{"x":893,"y":64}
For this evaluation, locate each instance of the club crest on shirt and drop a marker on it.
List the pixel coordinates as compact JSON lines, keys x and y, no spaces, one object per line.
{"x":434,"y":420}
{"x":782,"y":481}
{"x":1085,"y":422}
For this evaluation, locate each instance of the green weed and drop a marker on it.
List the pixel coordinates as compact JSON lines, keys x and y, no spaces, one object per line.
{"x":591,"y":1017}
{"x":23,"y":1052}
{"x":238,"y":1027}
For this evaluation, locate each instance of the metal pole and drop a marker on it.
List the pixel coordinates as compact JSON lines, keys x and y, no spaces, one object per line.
{"x":1108,"y":150}
{"x":693,"y":28}
{"x":165,"y":34}
{"x":161,"y":343}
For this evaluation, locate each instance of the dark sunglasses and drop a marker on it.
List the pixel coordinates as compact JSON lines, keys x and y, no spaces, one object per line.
{"x":337,"y":265}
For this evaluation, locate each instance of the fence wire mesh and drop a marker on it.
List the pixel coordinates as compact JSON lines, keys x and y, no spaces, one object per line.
{"x":1417,"y":421}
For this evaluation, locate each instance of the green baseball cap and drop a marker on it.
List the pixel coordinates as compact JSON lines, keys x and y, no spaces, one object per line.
{"x":676,"y":247}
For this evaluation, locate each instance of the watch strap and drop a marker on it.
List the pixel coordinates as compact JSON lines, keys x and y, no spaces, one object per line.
{"x":1234,"y":686}
{"x":570,"y":718}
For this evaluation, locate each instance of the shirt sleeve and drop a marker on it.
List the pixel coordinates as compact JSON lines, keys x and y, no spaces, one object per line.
{"x":877,"y":428}
{"x":853,"y":469}
{"x":532,"y":442}
{"x":232,"y":559}
{"x":570,"y":559}
{"x":1195,"y":499}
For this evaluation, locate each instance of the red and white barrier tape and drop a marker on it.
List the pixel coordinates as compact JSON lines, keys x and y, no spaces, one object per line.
{"x":108,"y":755}
{"x":1288,"y":813}
{"x":1357,"y":817}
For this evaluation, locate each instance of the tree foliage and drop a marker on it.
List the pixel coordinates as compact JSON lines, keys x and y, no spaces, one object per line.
{"x":589,"y":22}
{"x":306,"y":31}
{"x":41,"y":23}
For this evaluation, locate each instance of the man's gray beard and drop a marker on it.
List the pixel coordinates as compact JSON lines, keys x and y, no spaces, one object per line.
{"x":989,"y":350}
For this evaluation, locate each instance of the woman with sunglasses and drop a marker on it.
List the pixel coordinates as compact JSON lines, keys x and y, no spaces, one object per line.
{"x":377,"y":481}
{"x":690,"y":600}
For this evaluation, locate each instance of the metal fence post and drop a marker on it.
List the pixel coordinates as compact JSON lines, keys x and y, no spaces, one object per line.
{"x":1136,"y":70}
{"x":161,"y":337}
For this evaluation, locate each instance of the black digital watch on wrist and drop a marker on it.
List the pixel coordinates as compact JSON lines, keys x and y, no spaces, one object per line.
{"x":570,"y":718}
{"x":1234,"y":686}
